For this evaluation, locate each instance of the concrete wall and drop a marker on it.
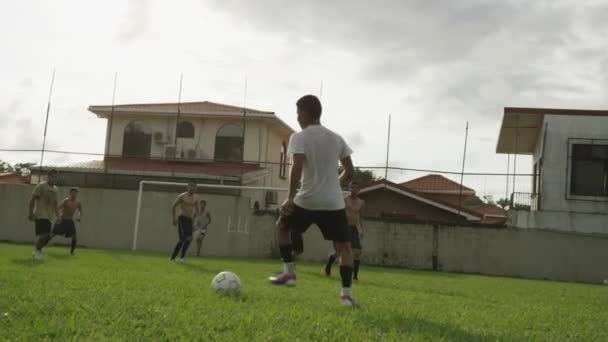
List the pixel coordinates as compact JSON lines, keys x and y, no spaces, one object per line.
{"x":109,"y":218}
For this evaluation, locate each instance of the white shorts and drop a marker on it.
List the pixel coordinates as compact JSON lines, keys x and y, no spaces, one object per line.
{"x":199,"y":234}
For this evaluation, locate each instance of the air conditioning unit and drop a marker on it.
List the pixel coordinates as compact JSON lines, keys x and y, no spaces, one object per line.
{"x":272,"y":197}
{"x":160,"y":137}
{"x":191,"y":153}
{"x":170,"y":152}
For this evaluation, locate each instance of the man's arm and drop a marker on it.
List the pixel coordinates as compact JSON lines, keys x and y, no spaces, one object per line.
{"x":208,"y":218}
{"x":178,"y":200}
{"x":361,"y":218}
{"x":295,"y":175}
{"x":33,"y":201}
{"x":79,"y":211}
{"x":347,"y":165}
{"x":56,"y":205}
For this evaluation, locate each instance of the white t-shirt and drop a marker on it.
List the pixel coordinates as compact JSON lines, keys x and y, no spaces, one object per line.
{"x":322,"y":149}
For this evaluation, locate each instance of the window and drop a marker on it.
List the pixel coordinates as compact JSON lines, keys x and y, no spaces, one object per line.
{"x":185,"y":129}
{"x":283,"y":161}
{"x":589,"y":173}
{"x":229,"y":143}
{"x":137,"y":139}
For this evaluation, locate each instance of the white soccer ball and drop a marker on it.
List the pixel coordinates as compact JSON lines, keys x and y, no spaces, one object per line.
{"x":226,"y":283}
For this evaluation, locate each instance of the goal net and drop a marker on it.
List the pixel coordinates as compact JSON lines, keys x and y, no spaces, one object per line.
{"x":232,"y":209}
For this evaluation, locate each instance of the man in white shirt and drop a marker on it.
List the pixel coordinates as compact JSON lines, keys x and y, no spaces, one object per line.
{"x":316,"y":152}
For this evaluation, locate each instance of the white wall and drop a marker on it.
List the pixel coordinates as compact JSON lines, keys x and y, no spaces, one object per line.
{"x":559,"y":210}
{"x":555,"y":161}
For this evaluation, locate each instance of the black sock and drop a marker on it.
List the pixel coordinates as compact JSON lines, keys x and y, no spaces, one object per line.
{"x":286,"y":253}
{"x":330,"y":262}
{"x":356,"y":268}
{"x":185,"y":248}
{"x":176,"y":249}
{"x":346,"y":272}
{"x":73,"y":245}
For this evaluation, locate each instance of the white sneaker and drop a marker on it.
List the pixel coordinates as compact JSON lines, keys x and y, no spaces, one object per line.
{"x":182,"y":260}
{"x":37,"y":255}
{"x":349,"y":301}
{"x":283,"y":279}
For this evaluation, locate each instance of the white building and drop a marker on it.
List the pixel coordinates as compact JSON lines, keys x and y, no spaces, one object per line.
{"x":570,"y":167}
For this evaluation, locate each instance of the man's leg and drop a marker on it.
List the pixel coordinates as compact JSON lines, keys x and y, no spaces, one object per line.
{"x":346,"y":271}
{"x":199,"y":244}
{"x":73,"y":245}
{"x":179,"y":243}
{"x":330,"y":262}
{"x":185,"y":246}
{"x":356,"y":263}
{"x":288,"y":277}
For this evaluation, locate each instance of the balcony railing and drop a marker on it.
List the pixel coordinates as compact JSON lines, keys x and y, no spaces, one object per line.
{"x":525,"y":201}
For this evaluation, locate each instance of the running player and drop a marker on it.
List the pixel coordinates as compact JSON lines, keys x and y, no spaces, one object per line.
{"x":188,"y":209}
{"x":201,"y":222}
{"x":354,"y":206}
{"x":316,"y":151}
{"x":66,"y":227}
{"x":42,"y":210}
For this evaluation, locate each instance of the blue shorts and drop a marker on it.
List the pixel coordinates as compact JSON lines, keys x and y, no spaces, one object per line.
{"x":65,"y":228}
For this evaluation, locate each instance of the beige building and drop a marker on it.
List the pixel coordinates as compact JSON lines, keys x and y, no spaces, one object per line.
{"x":195,"y":140}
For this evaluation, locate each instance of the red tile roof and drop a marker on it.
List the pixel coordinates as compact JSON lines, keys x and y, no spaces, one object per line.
{"x":13,"y":178}
{"x":436,"y":183}
{"x":470,"y":204}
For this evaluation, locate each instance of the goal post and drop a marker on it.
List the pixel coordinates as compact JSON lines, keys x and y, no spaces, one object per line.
{"x":174,"y":184}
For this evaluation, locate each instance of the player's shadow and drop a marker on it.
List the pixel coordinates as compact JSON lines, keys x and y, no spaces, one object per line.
{"x":200,"y":268}
{"x":29,"y":262}
{"x":420,"y":327}
{"x":62,"y":256}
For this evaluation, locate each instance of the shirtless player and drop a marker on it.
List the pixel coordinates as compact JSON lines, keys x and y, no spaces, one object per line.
{"x":187,"y":204}
{"x":65,"y":226}
{"x":354,"y":206}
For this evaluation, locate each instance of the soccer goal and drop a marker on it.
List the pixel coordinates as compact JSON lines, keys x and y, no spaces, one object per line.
{"x":230,"y":205}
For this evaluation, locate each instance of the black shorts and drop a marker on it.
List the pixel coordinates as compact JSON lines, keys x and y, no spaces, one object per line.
{"x":42,"y":227}
{"x":332,"y":223}
{"x":355,"y":242}
{"x":65,"y":228}
{"x":184,"y":227}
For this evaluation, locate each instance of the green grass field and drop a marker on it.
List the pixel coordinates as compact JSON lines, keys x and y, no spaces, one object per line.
{"x":114,"y":295}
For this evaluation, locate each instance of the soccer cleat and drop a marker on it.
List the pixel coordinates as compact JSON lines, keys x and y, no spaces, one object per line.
{"x":37,"y":255}
{"x":181,"y":260}
{"x":349,"y":301}
{"x":328,"y":271}
{"x":283,"y":279}
{"x":356,"y":279}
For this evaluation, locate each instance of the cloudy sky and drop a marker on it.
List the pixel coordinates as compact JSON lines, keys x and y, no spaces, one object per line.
{"x":432,"y":65}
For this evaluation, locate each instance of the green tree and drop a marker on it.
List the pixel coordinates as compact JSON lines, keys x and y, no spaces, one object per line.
{"x":362,"y":176}
{"x":503,"y":202}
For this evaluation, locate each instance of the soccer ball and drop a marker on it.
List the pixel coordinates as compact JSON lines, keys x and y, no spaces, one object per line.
{"x":226,"y":283}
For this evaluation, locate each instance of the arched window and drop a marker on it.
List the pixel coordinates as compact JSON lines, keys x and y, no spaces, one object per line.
{"x":185,"y":129}
{"x":137,"y":139}
{"x":283,"y":161}
{"x":229,"y":143}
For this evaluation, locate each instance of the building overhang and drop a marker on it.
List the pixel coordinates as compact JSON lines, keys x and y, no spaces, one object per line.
{"x":521,"y":127}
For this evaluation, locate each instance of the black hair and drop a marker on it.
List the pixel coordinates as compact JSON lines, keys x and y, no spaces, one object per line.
{"x":311,"y":105}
